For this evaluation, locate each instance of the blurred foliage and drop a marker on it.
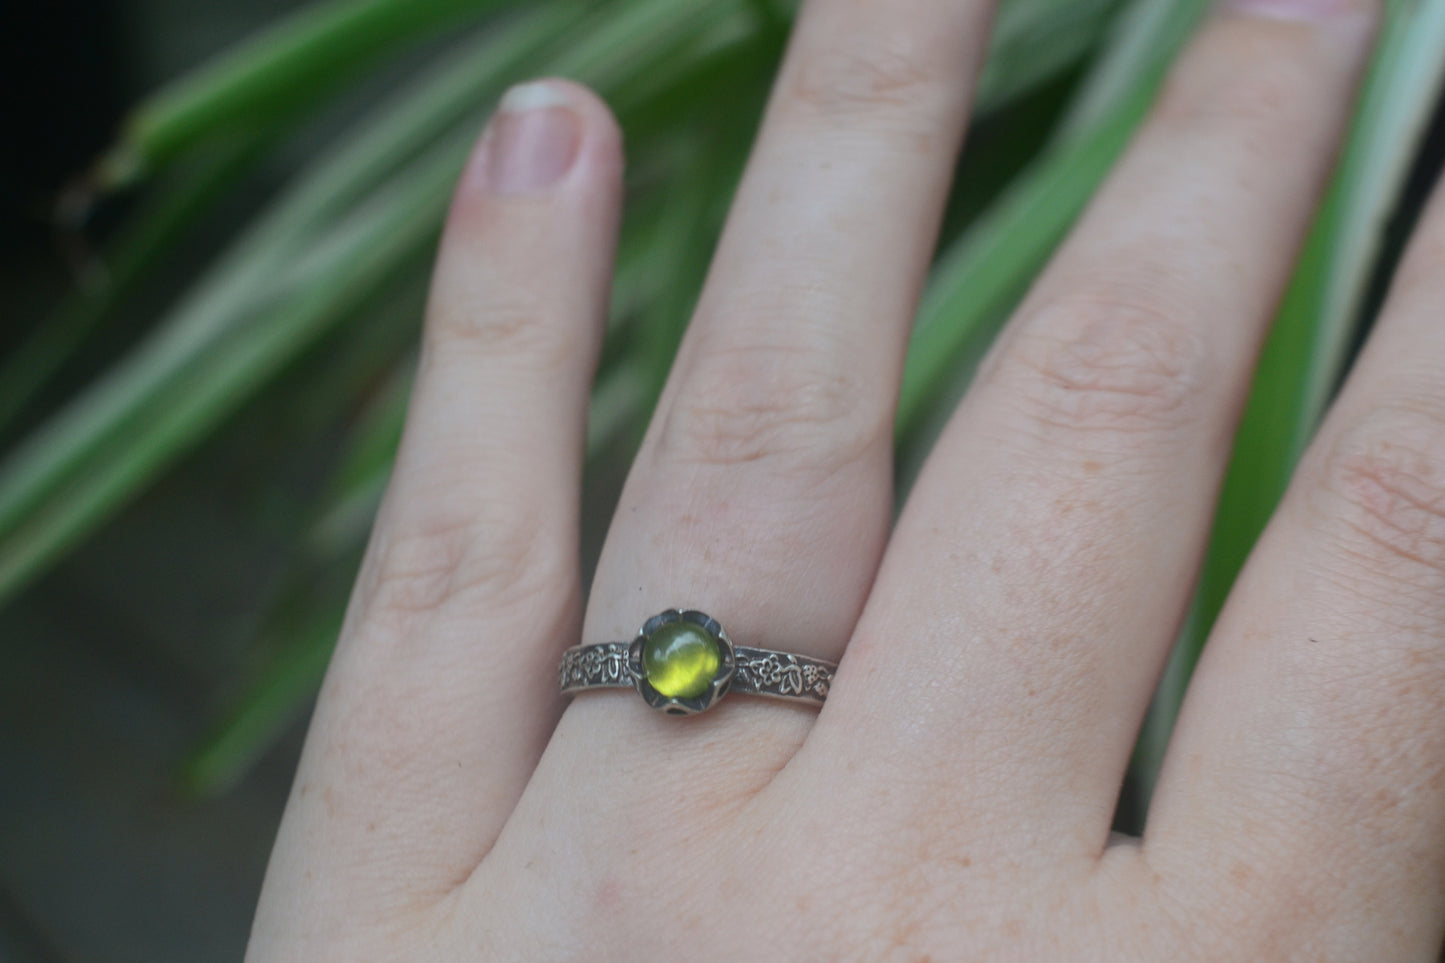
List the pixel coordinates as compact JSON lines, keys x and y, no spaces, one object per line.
{"x":334,"y":265}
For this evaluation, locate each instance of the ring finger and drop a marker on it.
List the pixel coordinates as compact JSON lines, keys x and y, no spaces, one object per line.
{"x":763,"y":489}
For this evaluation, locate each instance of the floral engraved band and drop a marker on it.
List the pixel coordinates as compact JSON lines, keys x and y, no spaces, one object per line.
{"x":683,"y":663}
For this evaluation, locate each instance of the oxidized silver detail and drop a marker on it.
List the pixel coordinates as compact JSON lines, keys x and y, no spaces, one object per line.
{"x":782,"y":675}
{"x":595,"y":667}
{"x":745,"y":670}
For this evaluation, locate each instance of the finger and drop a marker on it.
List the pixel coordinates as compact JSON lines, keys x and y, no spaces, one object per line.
{"x":441,"y":693}
{"x":762,"y":491}
{"x":1310,"y":754}
{"x":1046,"y":555}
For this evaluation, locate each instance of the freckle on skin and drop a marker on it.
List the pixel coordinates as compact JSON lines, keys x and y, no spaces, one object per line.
{"x":1093,"y":467}
{"x":609,"y":894}
{"x":904,"y":935}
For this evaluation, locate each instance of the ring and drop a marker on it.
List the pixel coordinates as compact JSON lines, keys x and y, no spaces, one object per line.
{"x":682,"y":662}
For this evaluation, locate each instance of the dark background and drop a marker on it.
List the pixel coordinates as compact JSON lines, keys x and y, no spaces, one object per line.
{"x":114,"y":666}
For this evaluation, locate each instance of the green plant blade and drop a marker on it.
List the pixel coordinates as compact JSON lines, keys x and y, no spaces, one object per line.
{"x":144,"y":242}
{"x":277,"y":71}
{"x":87,"y":461}
{"x":247,"y":276}
{"x":1143,"y":40}
{"x":262,"y":261}
{"x":241,"y":280}
{"x":1035,"y":40}
{"x":179,"y":413}
{"x":275,"y":700}
{"x":1304,"y":356}
{"x":984,"y":273}
{"x":979,"y":278}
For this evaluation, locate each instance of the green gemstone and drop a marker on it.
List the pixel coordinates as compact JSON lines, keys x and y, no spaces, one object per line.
{"x":680,"y":659}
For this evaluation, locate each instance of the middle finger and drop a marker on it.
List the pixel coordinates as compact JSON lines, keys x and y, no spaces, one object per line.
{"x":1046,"y":556}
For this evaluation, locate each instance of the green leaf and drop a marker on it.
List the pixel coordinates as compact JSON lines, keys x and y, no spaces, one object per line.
{"x":1035,"y":40}
{"x":177,"y":412}
{"x":1319,"y":316}
{"x":308,"y":264}
{"x":983,"y":274}
{"x":145,"y":240}
{"x":260,"y":266}
{"x":1305,"y":354}
{"x":275,"y":699}
{"x":278,"y":71}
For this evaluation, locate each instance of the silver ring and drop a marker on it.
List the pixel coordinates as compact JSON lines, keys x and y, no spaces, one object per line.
{"x":682,"y":662}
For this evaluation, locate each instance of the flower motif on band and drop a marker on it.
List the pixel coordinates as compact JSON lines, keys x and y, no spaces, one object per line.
{"x":773,"y":672}
{"x":595,"y":665}
{"x":614,"y":664}
{"x":816,"y":678}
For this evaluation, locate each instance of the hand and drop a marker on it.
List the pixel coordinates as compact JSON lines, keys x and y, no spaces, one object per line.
{"x":953,"y":799}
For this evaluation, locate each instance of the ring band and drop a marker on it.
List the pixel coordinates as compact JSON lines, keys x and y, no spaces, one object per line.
{"x":682,"y":662}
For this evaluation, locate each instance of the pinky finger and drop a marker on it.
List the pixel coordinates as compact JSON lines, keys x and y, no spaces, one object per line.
{"x":1310,"y":755}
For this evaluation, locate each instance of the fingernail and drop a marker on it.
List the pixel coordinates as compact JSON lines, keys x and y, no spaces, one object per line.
{"x":1290,"y":9}
{"x":533,"y":141}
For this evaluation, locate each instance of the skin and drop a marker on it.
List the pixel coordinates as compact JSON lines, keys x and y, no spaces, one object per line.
{"x":998,"y":644}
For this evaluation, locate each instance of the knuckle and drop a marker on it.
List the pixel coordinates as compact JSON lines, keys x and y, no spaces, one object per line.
{"x":1380,"y":487}
{"x":761,"y":405}
{"x":1250,"y":97}
{"x":517,"y":328}
{"x":1246,"y":85}
{"x":495,"y":565}
{"x":1115,"y":358}
{"x":885,"y":78}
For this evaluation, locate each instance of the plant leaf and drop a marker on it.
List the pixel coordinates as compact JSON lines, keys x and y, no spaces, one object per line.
{"x":278,"y":71}
{"x":1305,"y":355}
{"x":979,"y":278}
